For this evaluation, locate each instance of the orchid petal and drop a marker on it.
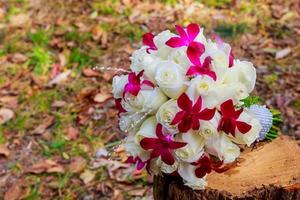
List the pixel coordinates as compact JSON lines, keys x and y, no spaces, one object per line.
{"x":231,"y":58}
{"x":192,"y":70}
{"x":195,"y":124}
{"x":181,"y":32}
{"x":184,"y":102}
{"x":178,"y":117}
{"x":159,"y":132}
{"x":227,"y":108}
{"x":198,"y":105}
{"x":155,"y":153}
{"x":148,"y":83}
{"x":119,"y":106}
{"x":140,"y":165}
{"x":243,"y":127}
{"x":194,"y":51}
{"x":175,"y":42}
{"x":206,"y":114}
{"x":192,"y":31}
{"x":185,"y":125}
{"x":176,"y":145}
{"x":148,"y":40}
{"x":167,"y":157}
{"x":149,"y":143}
{"x":132,"y":89}
{"x":201,"y":171}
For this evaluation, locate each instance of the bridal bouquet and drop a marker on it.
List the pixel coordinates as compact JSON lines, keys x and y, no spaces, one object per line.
{"x":186,"y":107}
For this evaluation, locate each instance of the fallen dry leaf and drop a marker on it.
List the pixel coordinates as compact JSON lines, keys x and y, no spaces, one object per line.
{"x":48,"y":121}
{"x":58,"y":104}
{"x":102,"y":97}
{"x":18,"y":58}
{"x":4,"y":151}
{"x":60,"y":78}
{"x":137,"y":191}
{"x":16,"y":191}
{"x":5,"y":115}
{"x":87,"y":176}
{"x":77,"y":164}
{"x":283,"y":53}
{"x":90,"y":72}
{"x":72,"y":133}
{"x":48,"y":166}
{"x":19,"y":20}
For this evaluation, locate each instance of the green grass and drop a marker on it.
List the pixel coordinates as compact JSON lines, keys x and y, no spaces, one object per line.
{"x":77,"y":56}
{"x":42,"y":100}
{"x":40,"y":60}
{"x":39,"y":38}
{"x":2,"y":138}
{"x":216,"y":3}
{"x":231,"y":30}
{"x":75,"y":36}
{"x":270,"y":79}
{"x":131,"y":31}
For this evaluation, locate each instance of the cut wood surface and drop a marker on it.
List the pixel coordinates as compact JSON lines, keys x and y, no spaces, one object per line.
{"x":270,"y":171}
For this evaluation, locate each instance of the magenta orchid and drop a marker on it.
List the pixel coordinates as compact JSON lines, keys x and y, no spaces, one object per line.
{"x":190,"y":115}
{"x":119,"y":106}
{"x":136,"y":160}
{"x":148,"y":41}
{"x":206,"y":166}
{"x":229,"y":122}
{"x":202,"y":69}
{"x":161,"y":146}
{"x":186,"y":38}
{"x":134,"y":84}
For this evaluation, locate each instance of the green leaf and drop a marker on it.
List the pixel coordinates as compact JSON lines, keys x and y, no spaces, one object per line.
{"x":251,"y":100}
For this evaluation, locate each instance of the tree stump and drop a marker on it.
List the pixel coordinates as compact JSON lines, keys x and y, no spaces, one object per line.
{"x":270,"y":171}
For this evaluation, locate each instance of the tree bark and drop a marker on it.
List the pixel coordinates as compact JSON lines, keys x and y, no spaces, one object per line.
{"x":269,"y":172}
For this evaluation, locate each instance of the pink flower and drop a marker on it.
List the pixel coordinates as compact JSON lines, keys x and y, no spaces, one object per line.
{"x":190,"y":115}
{"x":186,"y":38}
{"x":206,"y":166}
{"x":134,"y":83}
{"x":139,"y":163}
{"x":229,"y":121}
{"x":222,"y":45}
{"x":148,"y":41}
{"x":202,"y":69}
{"x":161,"y":146}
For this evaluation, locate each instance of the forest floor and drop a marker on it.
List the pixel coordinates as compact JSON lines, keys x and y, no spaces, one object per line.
{"x":58,"y":124}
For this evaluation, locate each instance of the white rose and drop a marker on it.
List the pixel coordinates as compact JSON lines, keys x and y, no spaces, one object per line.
{"x":134,"y":149}
{"x":160,"y":42}
{"x":208,"y":129}
{"x":187,"y":172}
{"x":222,"y":147}
{"x":249,"y":137}
{"x":242,"y":73}
{"x":212,"y":93}
{"x":155,"y":100}
{"x":179,"y":56}
{"x":145,"y":101}
{"x":166,"y":114}
{"x":220,"y":57}
{"x":165,"y":167}
{"x":147,"y":129}
{"x":171,"y":79}
{"x":193,"y":150}
{"x":130,"y":121}
{"x":140,"y":59}
{"x":118,"y":85}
